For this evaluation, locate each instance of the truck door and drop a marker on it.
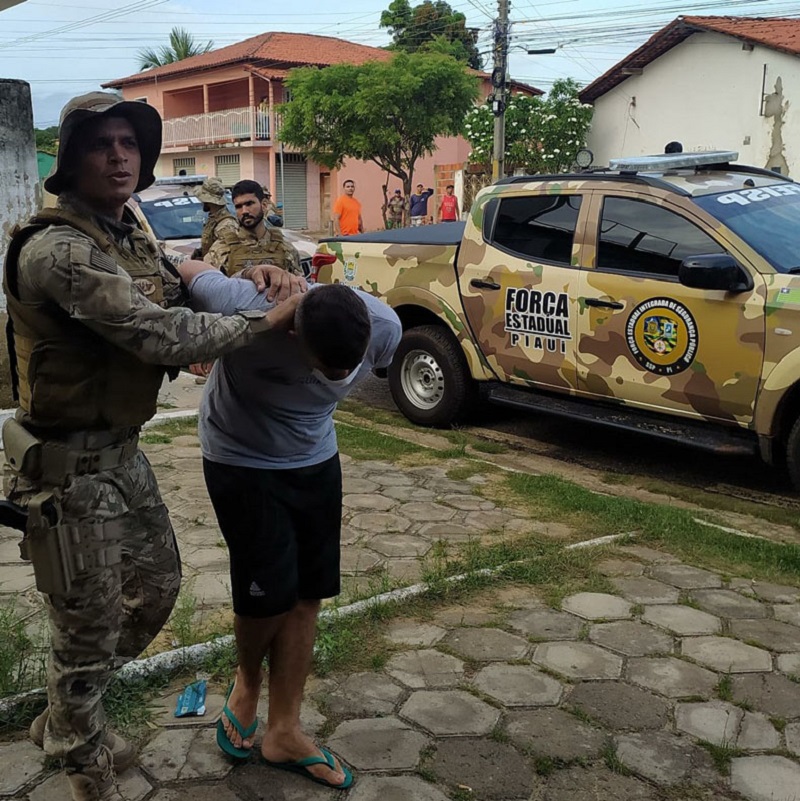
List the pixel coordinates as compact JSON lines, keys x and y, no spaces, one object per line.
{"x":646,"y":339}
{"x":519,"y":288}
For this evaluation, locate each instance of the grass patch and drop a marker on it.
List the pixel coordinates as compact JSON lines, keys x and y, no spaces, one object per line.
{"x":544,"y":765}
{"x":721,"y":755}
{"x":364,"y":444}
{"x":467,"y":470}
{"x":127,"y":703}
{"x":553,"y":498}
{"x":489,"y":446}
{"x":155,"y":438}
{"x":724,"y":688}
{"x":379,"y":416}
{"x":779,"y":724}
{"x":351,"y":643}
{"x":182,"y":622}
{"x":613,"y":762}
{"x":22,"y":661}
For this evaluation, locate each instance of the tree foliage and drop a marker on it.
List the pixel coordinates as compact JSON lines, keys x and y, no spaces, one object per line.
{"x":47,"y":139}
{"x":387,"y":112}
{"x":542,"y":134}
{"x":432,"y":26}
{"x":181,"y":45}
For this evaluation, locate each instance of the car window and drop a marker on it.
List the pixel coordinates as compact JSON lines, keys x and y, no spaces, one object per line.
{"x":180,"y":217}
{"x":641,"y":237}
{"x":540,"y":227}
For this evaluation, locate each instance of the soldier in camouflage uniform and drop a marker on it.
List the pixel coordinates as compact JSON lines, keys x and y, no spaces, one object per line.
{"x":97,"y":322}
{"x":257,"y":243}
{"x":220,"y":225}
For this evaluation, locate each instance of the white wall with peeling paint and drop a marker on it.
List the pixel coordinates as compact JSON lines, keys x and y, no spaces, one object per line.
{"x":710,"y":94}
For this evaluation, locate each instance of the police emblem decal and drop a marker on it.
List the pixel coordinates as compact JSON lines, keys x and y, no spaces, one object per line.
{"x":349,"y":271}
{"x":662,"y":336}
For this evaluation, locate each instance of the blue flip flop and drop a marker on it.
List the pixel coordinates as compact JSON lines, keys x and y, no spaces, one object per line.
{"x":222,"y":736}
{"x":301,"y":766}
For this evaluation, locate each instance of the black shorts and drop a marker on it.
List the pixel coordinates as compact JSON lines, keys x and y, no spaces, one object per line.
{"x":283,"y":530}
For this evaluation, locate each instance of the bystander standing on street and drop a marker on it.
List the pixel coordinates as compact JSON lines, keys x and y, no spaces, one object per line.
{"x":347,"y":212}
{"x":397,"y":205}
{"x":448,"y":207}
{"x":419,"y":205}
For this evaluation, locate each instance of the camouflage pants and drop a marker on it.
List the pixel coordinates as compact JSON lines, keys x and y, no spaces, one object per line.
{"x":111,"y":614}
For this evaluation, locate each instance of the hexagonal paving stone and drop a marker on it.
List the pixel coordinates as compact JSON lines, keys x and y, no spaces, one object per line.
{"x":775,"y":593}
{"x":671,"y":677}
{"x":728,"y":604}
{"x":787,"y":613}
{"x":491,"y":770}
{"x":132,"y":785}
{"x":395,"y":478}
{"x":771,"y":693}
{"x":364,"y":695}
{"x":256,"y":780}
{"x":373,"y":502}
{"x":486,"y":645}
{"x":358,"y":560}
{"x":646,"y":591}
{"x":465,"y":616}
{"x":726,"y":655}
{"x":545,"y":624}
{"x":414,"y":632}
{"x":682,"y":620}
{"x":184,"y":754}
{"x":394,"y":788}
{"x":715,"y":722}
{"x":772,"y":634}
{"x":619,"y":706}
{"x":597,"y":783}
{"x":631,"y":638}
{"x":622,"y":568}
{"x":426,"y":512}
{"x":578,"y":660}
{"x":765,"y":778}
{"x":650,"y":555}
{"x":450,"y":712}
{"x":686,"y":577}
{"x":409,"y":493}
{"x":664,"y":758}
{"x":757,"y":733}
{"x":554,"y":733}
{"x":518,"y":685}
{"x":426,"y":669}
{"x":20,"y":763}
{"x":449,"y":532}
{"x":789,"y":663}
{"x":468,"y":503}
{"x":399,"y":545}
{"x":792,"y":734}
{"x":358,"y":486}
{"x":380,"y":522}
{"x":597,"y":606}
{"x":378,"y":744}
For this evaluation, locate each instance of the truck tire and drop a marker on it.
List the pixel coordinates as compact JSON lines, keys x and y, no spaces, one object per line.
{"x":793,"y":455}
{"x":428,"y":377}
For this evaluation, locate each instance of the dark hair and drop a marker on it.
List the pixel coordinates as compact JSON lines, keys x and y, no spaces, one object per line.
{"x":334,"y":325}
{"x":673,"y":147}
{"x":247,"y":187}
{"x":348,"y":181}
{"x":450,"y":186}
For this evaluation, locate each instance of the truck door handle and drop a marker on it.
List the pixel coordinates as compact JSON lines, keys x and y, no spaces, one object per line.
{"x":604,"y":304}
{"x":481,"y":283}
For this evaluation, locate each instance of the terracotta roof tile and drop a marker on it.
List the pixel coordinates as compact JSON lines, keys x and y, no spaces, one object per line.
{"x":778,"y":33}
{"x":280,"y":50}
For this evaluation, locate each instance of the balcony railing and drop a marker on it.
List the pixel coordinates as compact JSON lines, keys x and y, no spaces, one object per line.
{"x":218,"y":127}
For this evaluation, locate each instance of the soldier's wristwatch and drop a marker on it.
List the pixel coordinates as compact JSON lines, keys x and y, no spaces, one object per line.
{"x":259,"y":322}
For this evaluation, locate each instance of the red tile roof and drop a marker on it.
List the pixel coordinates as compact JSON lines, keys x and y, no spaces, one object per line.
{"x":777,"y":33}
{"x":281,"y":50}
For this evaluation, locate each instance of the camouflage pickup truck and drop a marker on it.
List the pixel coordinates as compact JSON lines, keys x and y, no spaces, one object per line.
{"x":661,"y":294}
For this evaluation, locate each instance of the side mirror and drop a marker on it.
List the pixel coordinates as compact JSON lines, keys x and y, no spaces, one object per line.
{"x":715,"y":271}
{"x":275,"y":220}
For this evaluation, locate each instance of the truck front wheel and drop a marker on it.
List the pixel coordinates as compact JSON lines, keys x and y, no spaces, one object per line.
{"x":428,"y":377}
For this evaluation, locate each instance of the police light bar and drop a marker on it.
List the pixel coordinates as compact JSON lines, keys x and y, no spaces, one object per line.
{"x":672,"y":161}
{"x":174,"y":180}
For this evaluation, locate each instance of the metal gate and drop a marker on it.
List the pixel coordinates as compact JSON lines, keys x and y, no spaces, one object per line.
{"x":473,"y":183}
{"x":292,"y":181}
{"x":228,"y":169}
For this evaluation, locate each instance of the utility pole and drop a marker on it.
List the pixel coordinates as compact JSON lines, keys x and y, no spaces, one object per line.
{"x":500,"y":84}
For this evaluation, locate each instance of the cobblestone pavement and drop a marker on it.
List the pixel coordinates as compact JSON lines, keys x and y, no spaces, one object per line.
{"x":682,"y":685}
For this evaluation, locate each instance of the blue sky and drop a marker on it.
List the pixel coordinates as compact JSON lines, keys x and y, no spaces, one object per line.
{"x":64,"y":47}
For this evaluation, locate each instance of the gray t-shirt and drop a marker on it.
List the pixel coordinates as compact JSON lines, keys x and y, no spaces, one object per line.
{"x":262,"y":407}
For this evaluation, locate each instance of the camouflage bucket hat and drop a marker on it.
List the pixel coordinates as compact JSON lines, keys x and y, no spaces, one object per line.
{"x":145,"y":120}
{"x":212,"y":191}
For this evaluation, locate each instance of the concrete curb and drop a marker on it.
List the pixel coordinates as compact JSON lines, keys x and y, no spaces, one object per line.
{"x":193,"y":654}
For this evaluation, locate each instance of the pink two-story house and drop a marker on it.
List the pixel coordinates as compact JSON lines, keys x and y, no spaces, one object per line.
{"x":222,"y":116}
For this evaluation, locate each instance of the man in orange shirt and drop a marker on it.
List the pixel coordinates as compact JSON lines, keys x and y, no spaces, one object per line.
{"x":347,"y":212}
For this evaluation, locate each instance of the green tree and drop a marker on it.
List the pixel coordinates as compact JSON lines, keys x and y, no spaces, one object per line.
{"x":387,"y":112}
{"x":543,"y":135}
{"x":432,"y":26}
{"x":47,"y":139}
{"x":181,"y":45}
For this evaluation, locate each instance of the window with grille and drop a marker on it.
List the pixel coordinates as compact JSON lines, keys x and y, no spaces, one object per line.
{"x":185,"y":164}
{"x":227,"y":168}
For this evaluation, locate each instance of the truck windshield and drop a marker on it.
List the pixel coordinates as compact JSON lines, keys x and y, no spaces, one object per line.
{"x":175,"y":217}
{"x":767,"y":218}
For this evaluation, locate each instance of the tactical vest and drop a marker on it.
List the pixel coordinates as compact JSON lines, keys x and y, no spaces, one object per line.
{"x":70,"y":378}
{"x":248,"y":254}
{"x":210,"y":234}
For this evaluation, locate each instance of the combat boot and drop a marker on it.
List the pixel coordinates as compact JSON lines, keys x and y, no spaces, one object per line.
{"x":123,"y":752}
{"x":95,"y":782}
